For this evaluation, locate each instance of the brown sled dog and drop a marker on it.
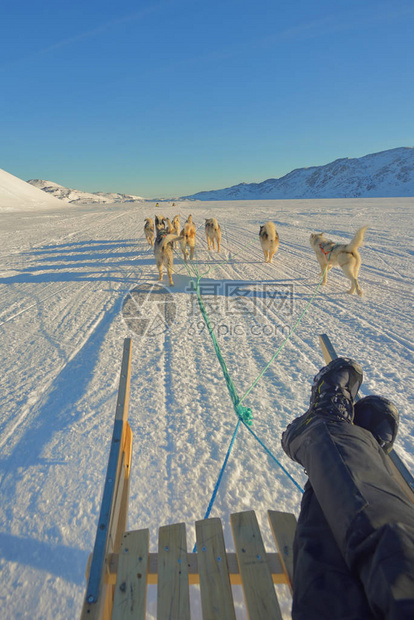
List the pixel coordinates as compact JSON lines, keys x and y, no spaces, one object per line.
{"x":188,"y":235}
{"x":269,"y":240}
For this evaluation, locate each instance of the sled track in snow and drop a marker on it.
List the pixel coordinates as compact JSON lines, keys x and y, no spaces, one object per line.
{"x":4,"y":318}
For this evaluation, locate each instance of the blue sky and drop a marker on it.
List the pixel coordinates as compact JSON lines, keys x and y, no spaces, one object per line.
{"x":167,"y":98}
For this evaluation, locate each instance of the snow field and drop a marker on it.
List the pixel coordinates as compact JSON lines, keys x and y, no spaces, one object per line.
{"x":63,"y":278}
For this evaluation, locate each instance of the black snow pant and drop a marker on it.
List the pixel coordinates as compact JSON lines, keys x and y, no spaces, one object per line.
{"x":324,"y":587}
{"x":354,"y":545}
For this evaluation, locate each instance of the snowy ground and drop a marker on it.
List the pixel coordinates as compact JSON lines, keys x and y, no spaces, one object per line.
{"x":64,"y":276}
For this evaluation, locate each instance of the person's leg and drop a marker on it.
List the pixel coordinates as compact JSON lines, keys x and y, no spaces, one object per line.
{"x":323,"y":586}
{"x":367,"y":512}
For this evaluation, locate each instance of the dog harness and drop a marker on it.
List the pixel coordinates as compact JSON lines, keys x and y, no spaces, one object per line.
{"x":329,"y":252}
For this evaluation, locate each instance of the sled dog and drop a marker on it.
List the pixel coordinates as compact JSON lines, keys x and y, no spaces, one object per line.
{"x":163,"y":252}
{"x":160,"y":222}
{"x":188,"y":235}
{"x":269,"y":240}
{"x":345,"y":255}
{"x":149,"y":230}
{"x":175,"y":227}
{"x":213,"y":233}
{"x":168,"y":225}
{"x":176,"y":224}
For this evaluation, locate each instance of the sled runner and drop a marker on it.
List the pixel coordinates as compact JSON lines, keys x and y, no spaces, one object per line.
{"x":121,"y":567}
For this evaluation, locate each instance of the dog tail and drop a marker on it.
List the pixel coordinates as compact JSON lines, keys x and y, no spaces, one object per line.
{"x":271,"y":231}
{"x":169,"y":239}
{"x":357,"y":240}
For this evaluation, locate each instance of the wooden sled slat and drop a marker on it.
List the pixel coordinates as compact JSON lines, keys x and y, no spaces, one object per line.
{"x":258,"y":589}
{"x":215,"y":587}
{"x":131,"y":584}
{"x":173,"y":601}
{"x":283,"y":525}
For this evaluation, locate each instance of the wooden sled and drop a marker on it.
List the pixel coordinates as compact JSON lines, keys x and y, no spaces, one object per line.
{"x":121,"y":566}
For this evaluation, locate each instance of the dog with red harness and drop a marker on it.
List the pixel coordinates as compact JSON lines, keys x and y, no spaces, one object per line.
{"x":344,"y":255}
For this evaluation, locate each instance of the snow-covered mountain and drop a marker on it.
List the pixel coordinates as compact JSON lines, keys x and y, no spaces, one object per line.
{"x":385,"y":174}
{"x":379,"y":175}
{"x":17,"y":195}
{"x":80,"y":197}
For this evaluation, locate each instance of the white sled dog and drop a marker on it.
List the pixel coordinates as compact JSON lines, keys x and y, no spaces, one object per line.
{"x":213,"y":233}
{"x":188,"y":235}
{"x":345,"y":255}
{"x":163,"y":252}
{"x":269,"y":240}
{"x":149,"y":230}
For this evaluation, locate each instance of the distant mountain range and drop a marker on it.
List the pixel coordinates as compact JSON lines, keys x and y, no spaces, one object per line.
{"x":385,"y":174}
{"x":79,"y":197}
{"x":379,"y":175}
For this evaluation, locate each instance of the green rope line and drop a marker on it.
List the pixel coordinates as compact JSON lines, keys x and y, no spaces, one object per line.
{"x":243,"y":413}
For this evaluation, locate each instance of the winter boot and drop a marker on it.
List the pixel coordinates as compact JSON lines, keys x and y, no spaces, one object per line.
{"x":332,"y":398}
{"x":379,"y":416}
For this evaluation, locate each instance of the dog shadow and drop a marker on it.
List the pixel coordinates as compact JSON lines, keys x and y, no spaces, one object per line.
{"x":91,"y":260}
